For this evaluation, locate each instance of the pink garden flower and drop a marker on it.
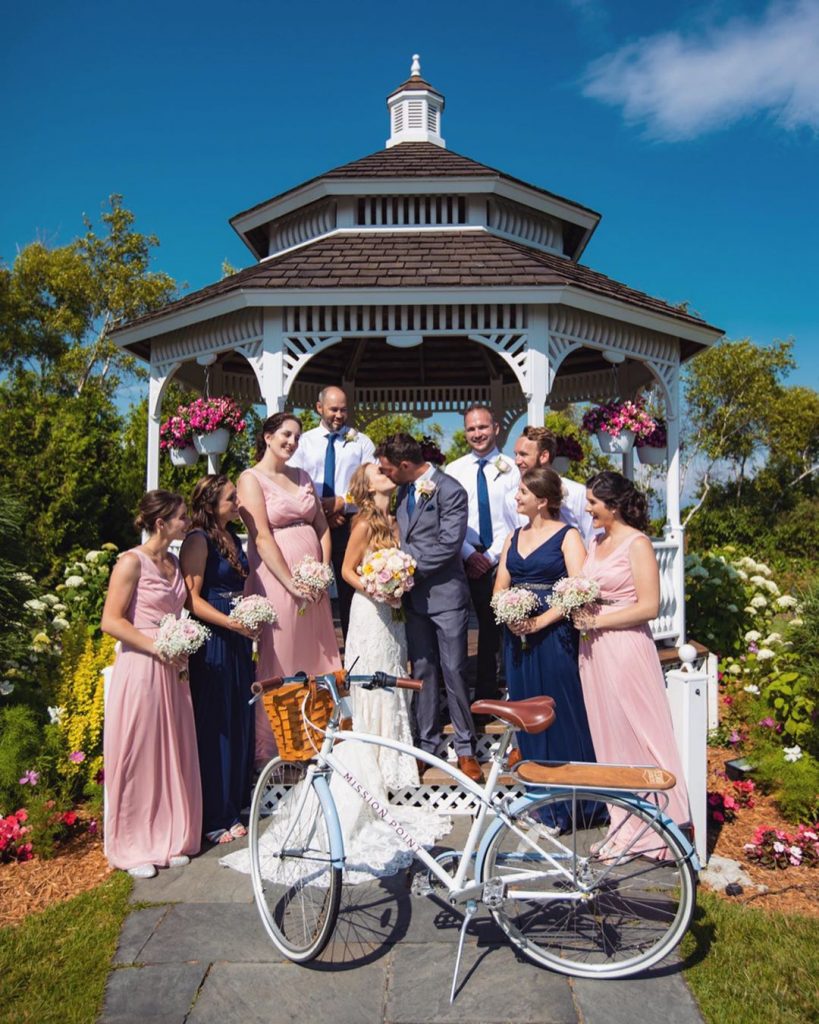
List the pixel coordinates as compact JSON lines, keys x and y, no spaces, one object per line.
{"x":77,"y":756}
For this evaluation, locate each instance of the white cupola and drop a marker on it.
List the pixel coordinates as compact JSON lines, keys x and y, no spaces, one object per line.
{"x":415,"y":110}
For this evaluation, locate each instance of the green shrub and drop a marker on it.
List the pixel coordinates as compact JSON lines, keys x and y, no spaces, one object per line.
{"x":21,"y":741}
{"x":794,"y":784}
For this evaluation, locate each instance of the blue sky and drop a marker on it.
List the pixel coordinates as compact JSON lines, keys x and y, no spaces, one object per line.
{"x":692,"y":127}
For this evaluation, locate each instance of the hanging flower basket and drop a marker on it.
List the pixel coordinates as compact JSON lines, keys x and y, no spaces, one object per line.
{"x":176,"y":438}
{"x":212,"y":421}
{"x":186,"y":456}
{"x":652,"y":447}
{"x":616,"y":444}
{"x":652,"y":456}
{"x":568,"y":450}
{"x":215,"y":443}
{"x":617,"y":425}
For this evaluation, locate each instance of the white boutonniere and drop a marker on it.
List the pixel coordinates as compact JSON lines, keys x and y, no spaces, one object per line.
{"x":501,"y":465}
{"x":350,"y":437}
{"x":425,"y":489}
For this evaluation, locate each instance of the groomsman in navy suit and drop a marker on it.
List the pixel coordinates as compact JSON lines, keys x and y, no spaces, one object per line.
{"x":330,"y":453}
{"x":431,"y":516}
{"x":490,"y":480}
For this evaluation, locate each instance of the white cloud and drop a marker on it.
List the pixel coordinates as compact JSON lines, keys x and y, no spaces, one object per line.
{"x":680,"y":86}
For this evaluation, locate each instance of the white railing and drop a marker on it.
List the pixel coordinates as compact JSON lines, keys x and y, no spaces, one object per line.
{"x":670,"y":623}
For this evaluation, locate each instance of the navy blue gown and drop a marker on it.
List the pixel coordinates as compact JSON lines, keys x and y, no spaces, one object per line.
{"x":221,"y":672}
{"x":549,"y":666}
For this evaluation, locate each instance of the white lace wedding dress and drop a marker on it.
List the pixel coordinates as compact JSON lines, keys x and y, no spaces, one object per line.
{"x":372,"y":849}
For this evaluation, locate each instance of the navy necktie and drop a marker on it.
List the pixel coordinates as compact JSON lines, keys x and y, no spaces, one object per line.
{"x":410,"y":500}
{"x":329,"y":487}
{"x":484,"y":511}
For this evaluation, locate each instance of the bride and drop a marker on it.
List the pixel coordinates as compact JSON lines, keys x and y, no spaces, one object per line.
{"x":375,"y":642}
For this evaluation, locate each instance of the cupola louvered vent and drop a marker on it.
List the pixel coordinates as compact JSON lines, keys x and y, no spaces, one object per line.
{"x":415,"y":111}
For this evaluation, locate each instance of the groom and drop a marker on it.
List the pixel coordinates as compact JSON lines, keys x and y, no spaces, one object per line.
{"x":432,"y":516}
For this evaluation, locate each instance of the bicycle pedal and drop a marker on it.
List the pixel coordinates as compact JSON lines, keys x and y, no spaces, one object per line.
{"x":494,"y":892}
{"x":420,"y":885}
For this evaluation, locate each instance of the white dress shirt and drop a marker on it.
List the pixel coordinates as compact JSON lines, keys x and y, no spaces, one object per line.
{"x":312,"y":451}
{"x":502,"y":483}
{"x":572,"y":510}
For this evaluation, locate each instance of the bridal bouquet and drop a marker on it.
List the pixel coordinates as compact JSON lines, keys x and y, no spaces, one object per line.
{"x":178,"y":638}
{"x":253,"y":612}
{"x":313,"y":576}
{"x":387,"y":574}
{"x":513,"y":606}
{"x":572,"y":593}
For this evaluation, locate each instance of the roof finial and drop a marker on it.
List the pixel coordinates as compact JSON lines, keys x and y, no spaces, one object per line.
{"x":415,"y":70}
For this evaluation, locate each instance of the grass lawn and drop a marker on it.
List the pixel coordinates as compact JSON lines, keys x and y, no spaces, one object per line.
{"x":54,"y":965}
{"x":749,"y":966}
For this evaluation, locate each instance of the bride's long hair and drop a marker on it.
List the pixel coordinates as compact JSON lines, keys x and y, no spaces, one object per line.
{"x":381,"y":535}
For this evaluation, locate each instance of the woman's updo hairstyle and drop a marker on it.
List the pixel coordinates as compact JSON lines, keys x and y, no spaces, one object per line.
{"x":156,"y":505}
{"x":620,"y":495}
{"x":545,"y":484}
{"x":270,"y":426}
{"x":204,"y":504}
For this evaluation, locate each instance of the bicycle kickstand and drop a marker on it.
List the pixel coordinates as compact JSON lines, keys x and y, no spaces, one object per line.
{"x":471,"y":910}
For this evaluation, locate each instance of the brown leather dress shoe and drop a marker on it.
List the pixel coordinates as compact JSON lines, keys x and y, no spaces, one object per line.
{"x":513,"y":757}
{"x":470,"y":767}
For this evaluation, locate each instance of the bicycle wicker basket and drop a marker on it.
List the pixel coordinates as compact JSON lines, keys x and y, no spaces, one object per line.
{"x":293,"y":734}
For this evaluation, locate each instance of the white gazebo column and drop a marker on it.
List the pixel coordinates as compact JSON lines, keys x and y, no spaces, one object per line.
{"x":272,"y":380}
{"x":538,"y":383}
{"x":673,"y":528}
{"x":158,"y":380}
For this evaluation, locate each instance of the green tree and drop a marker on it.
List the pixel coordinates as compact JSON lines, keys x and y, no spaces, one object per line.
{"x":63,"y":455}
{"x":730,"y":390}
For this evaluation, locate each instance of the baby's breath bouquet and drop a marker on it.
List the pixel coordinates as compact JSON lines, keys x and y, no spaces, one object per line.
{"x":253,"y":612}
{"x":177,"y":638}
{"x":513,"y":606}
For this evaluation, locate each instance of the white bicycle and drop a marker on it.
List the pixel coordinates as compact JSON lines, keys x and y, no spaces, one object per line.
{"x":596,"y":901}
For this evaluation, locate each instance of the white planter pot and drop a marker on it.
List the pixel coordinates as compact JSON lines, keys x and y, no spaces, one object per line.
{"x":215,"y":443}
{"x":624,"y":442}
{"x":652,"y":456}
{"x":561,"y":463}
{"x":184,"y":456}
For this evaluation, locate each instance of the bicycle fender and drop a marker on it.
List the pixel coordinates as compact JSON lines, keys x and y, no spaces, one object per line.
{"x":322,"y":788}
{"x":532,"y":796}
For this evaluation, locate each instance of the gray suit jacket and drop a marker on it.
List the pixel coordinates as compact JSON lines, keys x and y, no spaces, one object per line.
{"x":434,"y":537}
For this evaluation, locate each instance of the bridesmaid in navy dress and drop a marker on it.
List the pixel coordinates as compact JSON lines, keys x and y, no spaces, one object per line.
{"x":536,"y":556}
{"x":215,"y":569}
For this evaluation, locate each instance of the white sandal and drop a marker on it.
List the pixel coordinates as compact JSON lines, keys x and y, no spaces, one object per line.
{"x":142,"y":871}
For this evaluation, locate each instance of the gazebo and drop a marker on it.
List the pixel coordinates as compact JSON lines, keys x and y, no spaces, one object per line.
{"x":422,"y":281}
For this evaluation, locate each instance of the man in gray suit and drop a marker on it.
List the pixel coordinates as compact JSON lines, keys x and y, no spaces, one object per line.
{"x":432,"y":516}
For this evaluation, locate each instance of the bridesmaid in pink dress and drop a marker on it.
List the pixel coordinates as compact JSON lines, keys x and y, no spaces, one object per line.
{"x":623,"y":683}
{"x":285,"y":522}
{"x":153,"y":794}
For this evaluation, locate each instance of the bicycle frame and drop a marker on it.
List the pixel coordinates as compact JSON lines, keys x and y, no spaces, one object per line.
{"x":458,"y":889}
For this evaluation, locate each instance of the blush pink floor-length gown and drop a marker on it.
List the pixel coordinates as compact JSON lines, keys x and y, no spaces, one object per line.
{"x":294,"y":643}
{"x":153,"y":792}
{"x":624,"y":687}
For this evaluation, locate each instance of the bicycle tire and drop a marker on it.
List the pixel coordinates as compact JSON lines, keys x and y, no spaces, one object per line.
{"x":615,"y":915}
{"x":298,"y":894}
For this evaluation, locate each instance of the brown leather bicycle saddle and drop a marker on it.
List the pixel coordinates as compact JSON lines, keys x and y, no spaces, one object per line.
{"x":535,"y":714}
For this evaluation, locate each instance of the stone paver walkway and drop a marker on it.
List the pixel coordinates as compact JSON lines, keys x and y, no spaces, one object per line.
{"x":198,"y":955}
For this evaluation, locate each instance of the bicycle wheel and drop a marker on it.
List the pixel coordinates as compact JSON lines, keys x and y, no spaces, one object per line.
{"x":296,"y":888}
{"x":589,"y":912}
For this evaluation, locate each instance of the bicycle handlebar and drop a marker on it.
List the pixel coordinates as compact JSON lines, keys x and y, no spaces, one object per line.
{"x":376,"y":681}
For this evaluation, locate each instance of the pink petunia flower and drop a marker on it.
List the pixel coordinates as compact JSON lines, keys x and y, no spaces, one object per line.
{"x":77,"y":756}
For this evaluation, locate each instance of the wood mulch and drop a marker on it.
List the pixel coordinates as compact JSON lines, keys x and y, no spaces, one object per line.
{"x":33,"y":885}
{"x":790,"y":891}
